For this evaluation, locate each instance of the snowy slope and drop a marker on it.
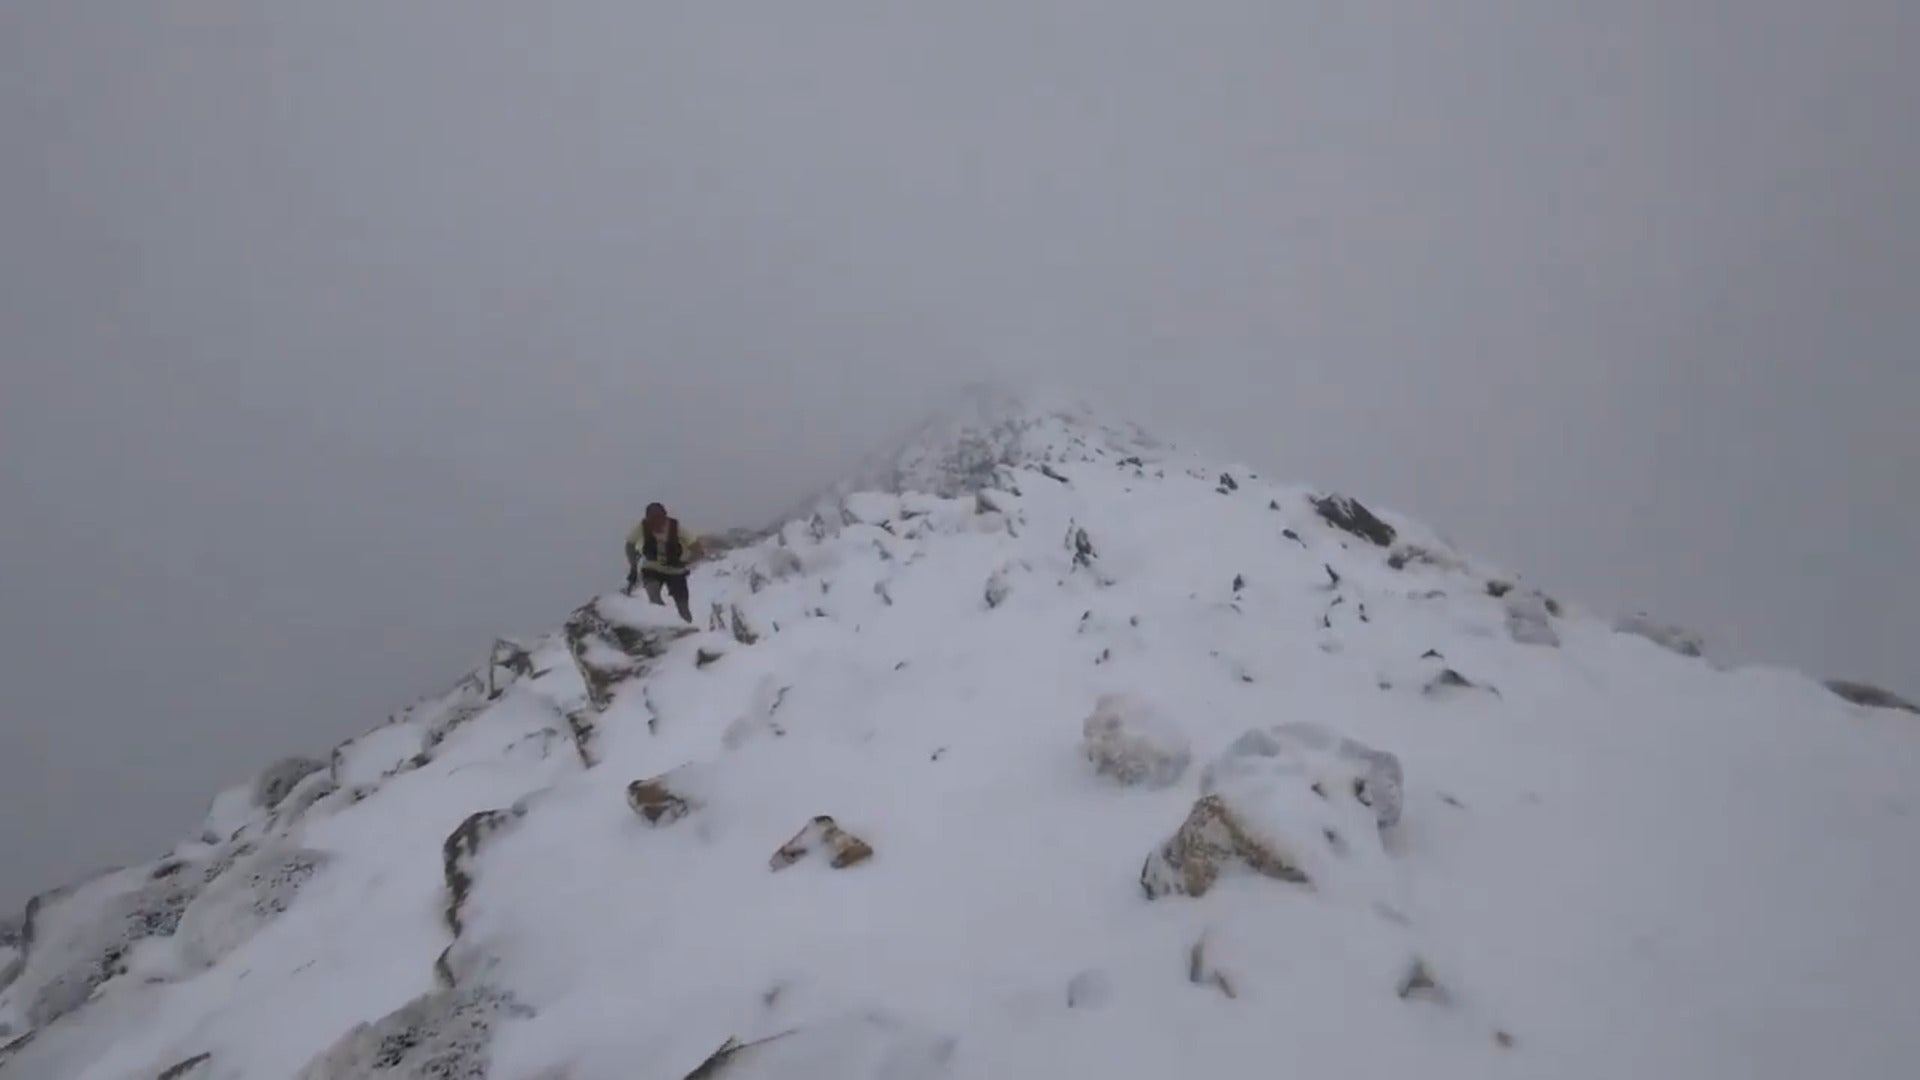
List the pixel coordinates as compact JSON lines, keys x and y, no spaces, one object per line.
{"x":1135,"y":766}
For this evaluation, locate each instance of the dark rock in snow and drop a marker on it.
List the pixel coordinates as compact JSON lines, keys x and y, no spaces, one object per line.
{"x":1498,"y":589}
{"x":1869,"y":695}
{"x":441,"y":1035}
{"x":462,"y":847}
{"x":1349,"y":515}
{"x":278,"y":780}
{"x":1684,"y":642}
{"x":667,"y":798}
{"x":193,"y":1068}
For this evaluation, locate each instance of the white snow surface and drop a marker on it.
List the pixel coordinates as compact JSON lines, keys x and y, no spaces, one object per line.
{"x":1620,"y":862}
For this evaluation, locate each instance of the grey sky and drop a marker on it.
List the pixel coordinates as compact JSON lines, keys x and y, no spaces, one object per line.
{"x":337,"y":338}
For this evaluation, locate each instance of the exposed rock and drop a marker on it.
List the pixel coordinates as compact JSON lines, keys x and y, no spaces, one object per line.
{"x":1211,"y":839}
{"x":667,"y":798}
{"x":1685,"y":642}
{"x":258,"y":890}
{"x":441,"y":1035}
{"x":1349,"y":515}
{"x":1869,"y":695}
{"x":278,"y":780}
{"x":999,"y":584}
{"x":1418,"y":981}
{"x":462,"y":846}
{"x":88,"y":943}
{"x":1133,"y":741}
{"x":1407,"y":555}
{"x":1498,"y":589}
{"x":1081,"y":546}
{"x":1202,"y":973}
{"x":1228,"y":485}
{"x":1448,"y":681}
{"x":1293,"y":802}
{"x":822,"y":833}
{"x":193,"y":1068}
{"x":1529,"y":621}
{"x":608,"y":652}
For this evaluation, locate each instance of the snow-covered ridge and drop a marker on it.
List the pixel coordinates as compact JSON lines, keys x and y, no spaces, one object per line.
{"x":1045,"y":749}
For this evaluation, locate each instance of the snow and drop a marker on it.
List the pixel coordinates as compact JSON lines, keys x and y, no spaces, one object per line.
{"x":1593,"y":860}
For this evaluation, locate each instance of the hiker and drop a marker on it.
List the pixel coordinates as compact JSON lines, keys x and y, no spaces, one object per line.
{"x":657,"y":553}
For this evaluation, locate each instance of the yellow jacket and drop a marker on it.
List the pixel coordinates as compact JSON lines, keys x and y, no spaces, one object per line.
{"x":637,"y":542}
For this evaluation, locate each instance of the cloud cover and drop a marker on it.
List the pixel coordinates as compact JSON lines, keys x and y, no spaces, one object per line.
{"x":339,"y":338}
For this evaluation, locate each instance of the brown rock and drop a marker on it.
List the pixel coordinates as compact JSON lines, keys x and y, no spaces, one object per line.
{"x":1211,"y":839}
{"x":823,"y":832}
{"x":657,"y":802}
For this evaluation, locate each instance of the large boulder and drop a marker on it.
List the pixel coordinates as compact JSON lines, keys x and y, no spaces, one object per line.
{"x":1294,"y":803}
{"x":1134,"y":742}
{"x":1350,"y":516}
{"x":1871,"y":696}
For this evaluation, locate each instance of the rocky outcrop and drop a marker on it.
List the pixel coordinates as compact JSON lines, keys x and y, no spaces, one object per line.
{"x":83,"y":939}
{"x":1294,"y":803}
{"x":824,"y":835}
{"x":608,"y":652}
{"x":241,"y":902}
{"x":1530,"y":619}
{"x":1870,"y":696}
{"x":1132,"y":741}
{"x":278,"y":780}
{"x":462,"y":847}
{"x":442,"y":1035}
{"x":1350,"y":516}
{"x":1679,"y":640}
{"x":196,"y":1067}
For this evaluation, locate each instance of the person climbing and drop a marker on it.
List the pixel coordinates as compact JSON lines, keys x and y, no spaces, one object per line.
{"x":658,"y":550}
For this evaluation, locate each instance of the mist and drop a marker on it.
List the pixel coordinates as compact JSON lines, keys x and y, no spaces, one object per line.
{"x":336,"y":340}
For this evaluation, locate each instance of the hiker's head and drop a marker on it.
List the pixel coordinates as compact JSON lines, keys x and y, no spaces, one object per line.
{"x":656,"y":515}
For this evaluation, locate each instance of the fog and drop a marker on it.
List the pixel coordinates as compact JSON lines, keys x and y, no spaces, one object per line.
{"x":336,"y":339}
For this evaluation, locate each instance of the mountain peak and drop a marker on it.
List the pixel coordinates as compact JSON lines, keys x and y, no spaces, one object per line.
{"x":1043,"y":749}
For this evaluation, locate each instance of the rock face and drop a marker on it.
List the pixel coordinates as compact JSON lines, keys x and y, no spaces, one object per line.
{"x":278,"y":780}
{"x":1530,"y":620}
{"x":1871,"y":696}
{"x":1294,"y":803}
{"x":1685,"y":642}
{"x":242,"y":901}
{"x":1348,"y":515}
{"x":444,"y":1035}
{"x":822,"y":834}
{"x":1131,"y":740}
{"x":80,"y":938}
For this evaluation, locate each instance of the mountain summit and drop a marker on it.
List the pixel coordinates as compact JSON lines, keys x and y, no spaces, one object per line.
{"x":1039,"y":748}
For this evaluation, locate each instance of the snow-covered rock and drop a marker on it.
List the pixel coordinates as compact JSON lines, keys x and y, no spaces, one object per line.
{"x":1871,"y":696}
{"x":1530,"y":619}
{"x":1135,"y":742}
{"x":1666,"y":635}
{"x":475,"y":888}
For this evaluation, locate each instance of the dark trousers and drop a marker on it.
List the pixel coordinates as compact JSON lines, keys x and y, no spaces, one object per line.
{"x":676,"y":585}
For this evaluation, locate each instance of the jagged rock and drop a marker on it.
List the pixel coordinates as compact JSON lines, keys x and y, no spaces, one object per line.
{"x":1348,"y":515}
{"x":241,"y":902}
{"x":608,"y":652}
{"x":278,"y":780}
{"x":1228,"y":485}
{"x":511,"y":657}
{"x":1498,"y":589}
{"x":999,"y":585}
{"x":822,"y":832}
{"x":1685,"y":642}
{"x":1871,"y":696}
{"x":1418,"y":981}
{"x":1529,"y":620}
{"x":441,"y":1035}
{"x":667,"y":798}
{"x":1133,"y":741}
{"x":462,"y":847}
{"x":83,"y":939}
{"x":705,"y":657}
{"x":196,"y":1067}
{"x":1293,"y":802}
{"x":1447,"y":681}
{"x":1212,"y":838}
